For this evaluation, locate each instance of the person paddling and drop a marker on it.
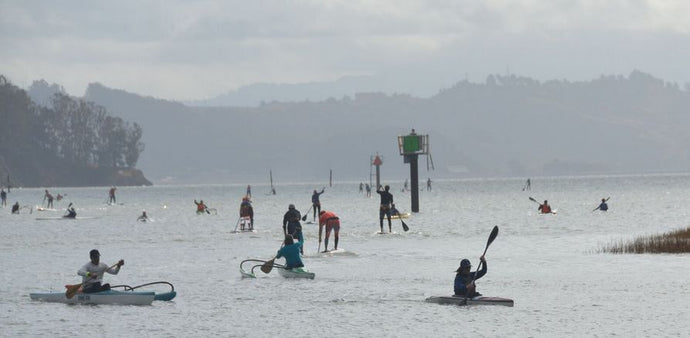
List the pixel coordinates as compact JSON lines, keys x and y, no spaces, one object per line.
{"x":291,"y":224}
{"x":602,"y":206}
{"x":201,"y":207}
{"x":92,"y":273}
{"x":332,"y":222}
{"x":71,"y":213}
{"x":291,"y":252}
{"x":143,"y":217}
{"x":385,"y":208}
{"x":15,"y":208}
{"x":464,"y":278}
{"x":315,"y":203}
{"x":545,"y":208}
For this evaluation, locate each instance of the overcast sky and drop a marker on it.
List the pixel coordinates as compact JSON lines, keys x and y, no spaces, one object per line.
{"x":185,"y":50}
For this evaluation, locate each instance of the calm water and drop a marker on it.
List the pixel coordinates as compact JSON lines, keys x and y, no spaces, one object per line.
{"x":548,"y":264}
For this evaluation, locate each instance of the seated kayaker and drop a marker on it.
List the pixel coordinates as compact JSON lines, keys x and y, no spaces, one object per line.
{"x":71,"y":213}
{"x":464,"y":279}
{"x":92,"y":273}
{"x":15,"y":208}
{"x":545,"y":208}
{"x":603,"y":206}
{"x":201,"y":207}
{"x":394,"y":210}
{"x":291,"y":251}
{"x":144,"y":217}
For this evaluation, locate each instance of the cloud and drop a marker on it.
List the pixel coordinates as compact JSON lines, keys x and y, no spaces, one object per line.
{"x":192,"y":49}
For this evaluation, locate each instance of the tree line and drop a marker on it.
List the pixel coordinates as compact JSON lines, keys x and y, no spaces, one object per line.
{"x":70,"y":131}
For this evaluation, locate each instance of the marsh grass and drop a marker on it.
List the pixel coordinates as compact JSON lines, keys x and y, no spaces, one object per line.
{"x":677,"y":241}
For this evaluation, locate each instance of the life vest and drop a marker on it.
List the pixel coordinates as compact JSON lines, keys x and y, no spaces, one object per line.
{"x":200,"y":207}
{"x":545,"y":209}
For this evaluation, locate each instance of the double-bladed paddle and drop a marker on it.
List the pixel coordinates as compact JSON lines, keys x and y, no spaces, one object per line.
{"x":492,"y":236}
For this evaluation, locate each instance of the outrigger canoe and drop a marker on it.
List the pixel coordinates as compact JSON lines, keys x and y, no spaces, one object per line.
{"x":126,"y":297}
{"x":480,"y":300}
{"x":287,"y":273}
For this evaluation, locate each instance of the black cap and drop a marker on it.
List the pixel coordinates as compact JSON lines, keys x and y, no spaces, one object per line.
{"x":94,"y":253}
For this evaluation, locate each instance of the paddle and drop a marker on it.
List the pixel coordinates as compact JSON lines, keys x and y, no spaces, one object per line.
{"x":304,"y":218}
{"x":404,"y":225}
{"x":72,"y":289}
{"x":237,"y":224}
{"x":268,"y":266}
{"x":597,"y":208}
{"x":492,"y":236}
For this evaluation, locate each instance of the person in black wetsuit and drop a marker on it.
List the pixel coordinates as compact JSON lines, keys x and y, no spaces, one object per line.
{"x":464,"y":279}
{"x":71,"y":213}
{"x":315,"y":203}
{"x":292,"y":226}
{"x":385,"y":208}
{"x":15,"y":208}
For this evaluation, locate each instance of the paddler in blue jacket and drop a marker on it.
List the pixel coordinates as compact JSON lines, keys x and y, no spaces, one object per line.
{"x":464,"y":279}
{"x":291,"y":251}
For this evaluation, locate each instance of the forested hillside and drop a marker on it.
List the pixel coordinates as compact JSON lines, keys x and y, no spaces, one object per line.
{"x":70,"y":143}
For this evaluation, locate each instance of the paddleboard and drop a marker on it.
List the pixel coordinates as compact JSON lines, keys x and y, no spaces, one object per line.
{"x":338,"y":252}
{"x":61,"y":218}
{"x":243,"y":231}
{"x":386,"y":233}
{"x":44,"y":209}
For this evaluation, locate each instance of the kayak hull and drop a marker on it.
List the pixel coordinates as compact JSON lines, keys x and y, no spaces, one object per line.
{"x":480,"y":300}
{"x":104,"y":297}
{"x":296,"y":273}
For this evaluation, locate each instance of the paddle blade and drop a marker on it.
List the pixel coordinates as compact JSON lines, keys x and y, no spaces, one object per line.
{"x":304,"y":218}
{"x":492,"y":236}
{"x":404,"y":225}
{"x":72,"y":290}
{"x":268,"y":266}
{"x":532,"y":199}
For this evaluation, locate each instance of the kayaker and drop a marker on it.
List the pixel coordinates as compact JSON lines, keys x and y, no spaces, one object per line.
{"x":92,"y":273}
{"x":603,"y":206}
{"x":291,"y":224}
{"x":332,"y":222}
{"x":143,"y":217}
{"x":246,"y":210}
{"x":291,"y":252}
{"x":545,"y":208}
{"x":464,"y":279}
{"x":385,"y":208}
{"x":201,"y":207}
{"x":71,"y":213}
{"x":316,"y":204}
{"x":15,"y":208}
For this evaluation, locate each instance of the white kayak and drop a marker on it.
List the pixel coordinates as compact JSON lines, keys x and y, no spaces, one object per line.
{"x":479,"y":300}
{"x":296,"y":273}
{"x":104,"y":297}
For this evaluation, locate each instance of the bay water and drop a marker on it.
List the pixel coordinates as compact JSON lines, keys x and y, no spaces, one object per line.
{"x":550,"y":265}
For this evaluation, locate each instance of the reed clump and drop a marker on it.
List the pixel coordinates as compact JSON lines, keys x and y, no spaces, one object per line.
{"x":677,"y":241}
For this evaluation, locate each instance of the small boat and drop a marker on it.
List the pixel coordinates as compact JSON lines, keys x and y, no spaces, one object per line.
{"x":296,"y":273}
{"x":126,"y":297}
{"x":479,"y":300}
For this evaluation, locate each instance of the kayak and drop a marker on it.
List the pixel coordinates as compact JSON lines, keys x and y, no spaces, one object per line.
{"x":479,"y":300}
{"x":104,"y":297}
{"x":126,"y":297}
{"x":296,"y":273}
{"x":404,"y":215}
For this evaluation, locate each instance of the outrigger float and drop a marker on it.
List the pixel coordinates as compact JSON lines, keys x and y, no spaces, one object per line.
{"x":125,"y":297}
{"x":282,"y":270}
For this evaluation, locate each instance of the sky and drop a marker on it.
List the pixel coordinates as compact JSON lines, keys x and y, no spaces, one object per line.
{"x":187,"y":50}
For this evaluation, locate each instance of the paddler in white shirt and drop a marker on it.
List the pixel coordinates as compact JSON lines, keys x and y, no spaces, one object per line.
{"x":92,"y":273}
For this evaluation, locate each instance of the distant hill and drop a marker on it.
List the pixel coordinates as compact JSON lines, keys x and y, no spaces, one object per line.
{"x":507,"y":126}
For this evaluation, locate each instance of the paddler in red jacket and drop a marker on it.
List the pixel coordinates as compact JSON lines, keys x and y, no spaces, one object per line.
{"x":332,"y":222}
